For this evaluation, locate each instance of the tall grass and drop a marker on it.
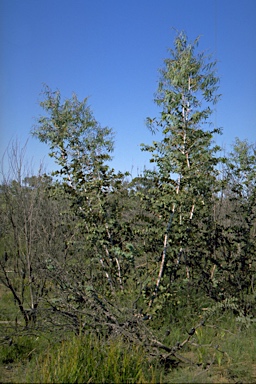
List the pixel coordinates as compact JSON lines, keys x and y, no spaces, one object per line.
{"x":224,"y":352}
{"x":88,"y":359}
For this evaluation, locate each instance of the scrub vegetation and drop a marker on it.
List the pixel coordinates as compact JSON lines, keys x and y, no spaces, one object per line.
{"x":111,"y":279}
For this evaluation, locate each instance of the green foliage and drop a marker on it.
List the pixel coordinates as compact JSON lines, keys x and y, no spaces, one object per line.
{"x":185,"y":178}
{"x":161,"y":267}
{"x":236,"y":213}
{"x":93,"y":192}
{"x":72,"y":133}
{"x":89,"y":359}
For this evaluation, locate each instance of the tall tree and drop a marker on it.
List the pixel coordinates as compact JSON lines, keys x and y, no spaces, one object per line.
{"x":82,"y":148}
{"x":185,"y":158}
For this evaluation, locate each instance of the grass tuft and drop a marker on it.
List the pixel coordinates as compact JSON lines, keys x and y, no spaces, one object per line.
{"x":90,"y":359}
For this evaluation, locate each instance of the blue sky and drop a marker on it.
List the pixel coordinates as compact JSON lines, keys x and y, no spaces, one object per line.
{"x":111,"y":50}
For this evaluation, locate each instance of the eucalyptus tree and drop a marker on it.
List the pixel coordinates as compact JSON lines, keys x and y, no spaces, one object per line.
{"x":80,"y":147}
{"x":185,"y":161}
{"x":99,"y":253}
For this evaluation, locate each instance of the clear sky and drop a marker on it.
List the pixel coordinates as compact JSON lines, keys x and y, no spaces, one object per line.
{"x":111,"y":50}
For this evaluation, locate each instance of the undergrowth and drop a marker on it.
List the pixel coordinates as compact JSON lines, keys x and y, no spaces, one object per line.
{"x":88,"y":359}
{"x":223,"y":350}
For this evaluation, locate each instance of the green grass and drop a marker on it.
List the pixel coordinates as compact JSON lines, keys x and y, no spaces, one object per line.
{"x":8,"y":309}
{"x":14,"y":351}
{"x":222,"y":351}
{"x":218,"y":354}
{"x":88,"y":359}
